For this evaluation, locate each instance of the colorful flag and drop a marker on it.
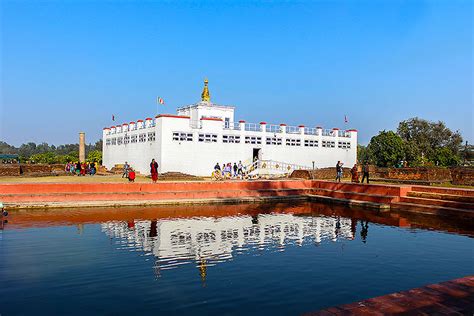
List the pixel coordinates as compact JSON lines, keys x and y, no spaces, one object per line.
{"x":345,"y":119}
{"x":160,"y":100}
{"x":113,"y":117}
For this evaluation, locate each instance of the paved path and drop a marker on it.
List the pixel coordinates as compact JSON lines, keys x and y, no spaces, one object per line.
{"x":455,"y":297}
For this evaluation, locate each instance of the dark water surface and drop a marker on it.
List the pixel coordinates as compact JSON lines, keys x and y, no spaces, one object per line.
{"x":253,"y":259}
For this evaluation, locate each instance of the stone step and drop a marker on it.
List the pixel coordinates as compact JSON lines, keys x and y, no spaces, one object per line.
{"x":375,"y":198}
{"x":430,"y":209}
{"x":158,"y":195}
{"x":440,"y":196}
{"x":448,"y":191}
{"x":446,"y":203}
{"x":362,"y":188}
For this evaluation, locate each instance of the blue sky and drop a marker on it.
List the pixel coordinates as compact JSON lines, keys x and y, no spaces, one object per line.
{"x":67,"y":66}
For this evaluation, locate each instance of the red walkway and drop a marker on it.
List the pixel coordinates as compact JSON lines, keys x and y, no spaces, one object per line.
{"x":455,"y":297}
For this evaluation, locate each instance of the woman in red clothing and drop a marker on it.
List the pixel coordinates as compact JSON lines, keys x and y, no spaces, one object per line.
{"x":154,"y":170}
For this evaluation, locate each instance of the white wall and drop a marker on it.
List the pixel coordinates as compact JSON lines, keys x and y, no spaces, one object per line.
{"x":199,"y":158}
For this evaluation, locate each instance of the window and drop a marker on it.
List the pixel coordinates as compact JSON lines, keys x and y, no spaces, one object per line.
{"x":151,"y":136}
{"x":310,"y":143}
{"x":231,"y":139}
{"x":119,"y":140}
{"x":142,"y":138}
{"x":344,"y":145}
{"x":273,"y":141}
{"x":114,"y":141}
{"x":328,"y":144}
{"x":208,"y":138}
{"x":133,"y":138}
{"x":107,"y":141}
{"x":253,"y":139}
{"x":126,"y":139}
{"x":293,"y":142}
{"x":182,"y":137}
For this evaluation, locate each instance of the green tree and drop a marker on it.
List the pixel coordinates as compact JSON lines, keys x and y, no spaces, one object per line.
{"x":424,"y":140}
{"x":386,"y":149}
{"x":7,"y":149}
{"x":95,"y":156}
{"x":362,"y":154}
{"x":47,"y":158}
{"x":445,"y":157}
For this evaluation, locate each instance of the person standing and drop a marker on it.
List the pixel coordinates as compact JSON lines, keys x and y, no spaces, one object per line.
{"x":154,"y":170}
{"x":78,"y":168}
{"x":240,"y":168}
{"x":365,"y":171}
{"x":339,"y":171}
{"x":355,"y":174}
{"x":125,"y":170}
{"x":235,"y":169}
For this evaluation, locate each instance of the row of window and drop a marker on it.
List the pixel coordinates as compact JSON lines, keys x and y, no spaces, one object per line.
{"x":257,"y":140}
{"x":127,"y":139}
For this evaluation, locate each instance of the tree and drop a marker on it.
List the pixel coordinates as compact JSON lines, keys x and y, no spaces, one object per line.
{"x":7,"y":149}
{"x":362,"y":154}
{"x":426,"y":139}
{"x":445,"y":157}
{"x":94,"y":156}
{"x":386,"y":149}
{"x":48,"y":158}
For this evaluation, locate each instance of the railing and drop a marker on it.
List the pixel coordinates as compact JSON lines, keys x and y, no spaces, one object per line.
{"x":311,"y":131}
{"x":264,"y":166}
{"x":270,"y":128}
{"x":232,"y":126}
{"x":253,"y":127}
{"x":292,"y":130}
{"x":328,"y":132}
{"x":343,"y":134}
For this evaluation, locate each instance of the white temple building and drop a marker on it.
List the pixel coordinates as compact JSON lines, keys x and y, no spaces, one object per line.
{"x":203,"y":134}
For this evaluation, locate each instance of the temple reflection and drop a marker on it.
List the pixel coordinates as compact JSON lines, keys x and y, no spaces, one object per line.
{"x":207,"y":241}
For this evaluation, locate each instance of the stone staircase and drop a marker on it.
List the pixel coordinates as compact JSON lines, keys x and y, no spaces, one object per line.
{"x":434,"y":200}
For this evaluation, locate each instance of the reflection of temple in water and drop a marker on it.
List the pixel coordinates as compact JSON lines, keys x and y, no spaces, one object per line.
{"x":212,"y":240}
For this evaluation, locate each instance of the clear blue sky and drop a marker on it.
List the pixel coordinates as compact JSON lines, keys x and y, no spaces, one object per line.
{"x":67,"y":66}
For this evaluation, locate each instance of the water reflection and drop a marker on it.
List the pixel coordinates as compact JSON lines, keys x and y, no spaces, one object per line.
{"x":207,"y":241}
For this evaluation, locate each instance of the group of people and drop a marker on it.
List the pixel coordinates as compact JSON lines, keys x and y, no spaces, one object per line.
{"x":80,"y":169}
{"x":229,"y":170}
{"x":354,"y":172}
{"x":130,"y":174}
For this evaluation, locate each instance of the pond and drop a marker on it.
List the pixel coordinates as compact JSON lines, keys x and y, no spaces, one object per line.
{"x":246,"y":259}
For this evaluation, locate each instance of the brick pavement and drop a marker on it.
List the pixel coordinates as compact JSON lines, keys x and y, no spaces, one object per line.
{"x":455,"y":297}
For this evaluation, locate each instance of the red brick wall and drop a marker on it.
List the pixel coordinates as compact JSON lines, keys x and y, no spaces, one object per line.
{"x":421,"y":173}
{"x":463,"y":175}
{"x":9,"y":170}
{"x":323,"y":174}
{"x":35,"y":169}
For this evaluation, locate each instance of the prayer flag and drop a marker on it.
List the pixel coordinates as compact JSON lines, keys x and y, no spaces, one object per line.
{"x":160,"y":100}
{"x":345,"y":119}
{"x":113,"y":117}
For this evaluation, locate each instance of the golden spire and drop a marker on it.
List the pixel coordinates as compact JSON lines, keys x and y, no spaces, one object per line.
{"x":205,"y":96}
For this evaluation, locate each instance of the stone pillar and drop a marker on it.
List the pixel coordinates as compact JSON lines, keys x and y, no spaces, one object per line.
{"x":82,"y":147}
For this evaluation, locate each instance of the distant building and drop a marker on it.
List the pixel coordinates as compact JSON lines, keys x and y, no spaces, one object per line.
{"x":203,"y":134}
